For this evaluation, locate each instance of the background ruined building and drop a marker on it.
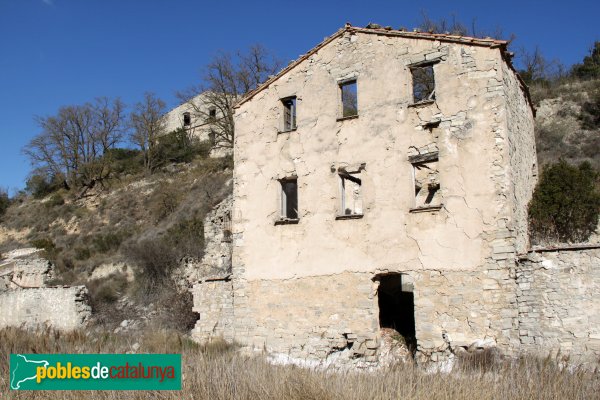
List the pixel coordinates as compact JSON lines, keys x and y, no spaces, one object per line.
{"x":381,"y":182}
{"x":197,"y":116}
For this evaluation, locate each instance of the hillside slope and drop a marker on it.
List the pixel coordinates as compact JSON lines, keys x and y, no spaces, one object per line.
{"x":123,"y":242}
{"x":566,"y":118}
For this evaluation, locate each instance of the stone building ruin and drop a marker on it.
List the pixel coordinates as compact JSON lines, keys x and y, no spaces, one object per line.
{"x":381,"y":182}
{"x":27,"y":299}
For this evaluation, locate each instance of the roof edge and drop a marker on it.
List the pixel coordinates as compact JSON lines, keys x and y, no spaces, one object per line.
{"x":491,"y":43}
{"x":290,"y":66}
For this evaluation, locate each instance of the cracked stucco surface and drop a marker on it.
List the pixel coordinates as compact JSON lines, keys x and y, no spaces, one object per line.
{"x":307,"y":289}
{"x":474,"y":172}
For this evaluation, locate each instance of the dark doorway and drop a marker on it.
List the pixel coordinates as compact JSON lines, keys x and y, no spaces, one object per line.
{"x":397,"y":307}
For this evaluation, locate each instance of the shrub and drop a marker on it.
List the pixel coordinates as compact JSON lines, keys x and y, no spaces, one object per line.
{"x":155,"y":258}
{"x":125,"y":161}
{"x":565,"y":204}
{"x":590,"y":112}
{"x":55,"y":201}
{"x":175,"y":307}
{"x":4,"y":201}
{"x":39,"y":185}
{"x":174,"y":147}
{"x":44,"y":244}
{"x":108,"y":242}
{"x":106,"y":290}
{"x":187,"y":237}
{"x":164,"y":200}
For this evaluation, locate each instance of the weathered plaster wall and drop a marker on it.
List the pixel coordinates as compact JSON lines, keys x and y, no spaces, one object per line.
{"x":559,"y":304}
{"x":468,"y":240}
{"x":457,"y":237}
{"x":63,"y":308}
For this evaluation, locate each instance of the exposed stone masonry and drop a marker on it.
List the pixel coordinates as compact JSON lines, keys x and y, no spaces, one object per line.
{"x":307,"y":292}
{"x":27,"y":302}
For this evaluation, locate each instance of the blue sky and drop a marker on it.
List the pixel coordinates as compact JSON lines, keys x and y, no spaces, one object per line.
{"x":61,"y":52}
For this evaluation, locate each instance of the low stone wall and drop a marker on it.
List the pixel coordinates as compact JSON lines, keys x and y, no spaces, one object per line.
{"x":213,"y":301}
{"x":317,"y":318}
{"x":62,"y":308}
{"x":559,"y":303}
{"x":309,"y":319}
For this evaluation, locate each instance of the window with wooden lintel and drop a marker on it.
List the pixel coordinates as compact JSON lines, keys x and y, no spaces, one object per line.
{"x":289,"y":199}
{"x":426,"y":182}
{"x":351,"y":196}
{"x":289,"y":113}
{"x":187,"y":119}
{"x":349,"y":94}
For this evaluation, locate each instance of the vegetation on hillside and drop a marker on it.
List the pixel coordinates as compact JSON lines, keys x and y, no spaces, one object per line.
{"x":112,"y":187}
{"x":565,"y":204}
{"x":147,"y":222}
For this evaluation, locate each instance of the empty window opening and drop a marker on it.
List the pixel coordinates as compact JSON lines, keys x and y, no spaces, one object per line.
{"x":423,"y":83}
{"x":289,"y":198}
{"x":227,"y":233}
{"x":212,"y":114}
{"x":187,"y":119}
{"x":397,"y":306}
{"x":289,"y":113}
{"x":427,"y":184}
{"x":349,"y":98}
{"x":351,"y":200}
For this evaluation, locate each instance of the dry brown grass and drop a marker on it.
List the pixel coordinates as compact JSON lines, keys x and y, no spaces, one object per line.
{"x":218,"y":372}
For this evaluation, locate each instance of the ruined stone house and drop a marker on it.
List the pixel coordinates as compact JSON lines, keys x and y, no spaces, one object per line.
{"x":381,"y":181}
{"x":197,"y":117}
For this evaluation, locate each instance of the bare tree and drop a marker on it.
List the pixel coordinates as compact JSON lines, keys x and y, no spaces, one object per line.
{"x":148,"y":124}
{"x":454,"y":26}
{"x":537,"y":68}
{"x":75,"y":143}
{"x":224,"y":81}
{"x":443,"y":25}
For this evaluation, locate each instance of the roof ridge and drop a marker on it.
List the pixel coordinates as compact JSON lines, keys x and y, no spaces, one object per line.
{"x":491,"y":43}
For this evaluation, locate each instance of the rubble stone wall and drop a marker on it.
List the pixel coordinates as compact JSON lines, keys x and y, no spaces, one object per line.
{"x":62,"y":308}
{"x":523,"y":156}
{"x":558,"y":301}
{"x":213,"y":301}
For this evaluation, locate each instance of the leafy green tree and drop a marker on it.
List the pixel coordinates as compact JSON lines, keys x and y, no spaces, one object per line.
{"x":590,"y":68}
{"x":566,"y":203}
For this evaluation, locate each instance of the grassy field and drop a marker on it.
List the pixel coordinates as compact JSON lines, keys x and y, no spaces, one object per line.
{"x":219,"y":372}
